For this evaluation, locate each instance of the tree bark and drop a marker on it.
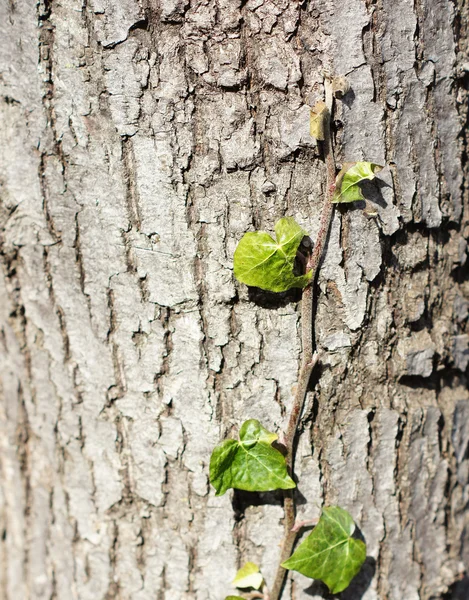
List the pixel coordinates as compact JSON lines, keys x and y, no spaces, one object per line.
{"x":139,"y":141}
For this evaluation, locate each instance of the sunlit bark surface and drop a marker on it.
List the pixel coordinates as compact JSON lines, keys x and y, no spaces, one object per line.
{"x":138,"y":142}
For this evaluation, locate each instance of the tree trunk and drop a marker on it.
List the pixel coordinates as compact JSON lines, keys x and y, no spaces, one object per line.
{"x":139,"y":141}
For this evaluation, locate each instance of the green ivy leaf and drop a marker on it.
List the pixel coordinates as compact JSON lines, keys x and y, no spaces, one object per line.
{"x":248,"y":576}
{"x":262,"y":262}
{"x":250,"y":464}
{"x":234,"y":598}
{"x":329,"y":553}
{"x":349,"y":179}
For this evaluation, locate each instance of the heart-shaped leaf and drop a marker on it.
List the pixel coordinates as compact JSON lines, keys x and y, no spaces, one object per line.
{"x":348,"y":180}
{"x":248,"y":576}
{"x":262,"y":262}
{"x":330,"y":553}
{"x":250,"y":464}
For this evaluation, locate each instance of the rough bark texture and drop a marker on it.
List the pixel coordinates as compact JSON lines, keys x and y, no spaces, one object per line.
{"x":139,"y":141}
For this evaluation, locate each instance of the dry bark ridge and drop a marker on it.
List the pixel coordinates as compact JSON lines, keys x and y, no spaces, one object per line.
{"x":140,"y":140}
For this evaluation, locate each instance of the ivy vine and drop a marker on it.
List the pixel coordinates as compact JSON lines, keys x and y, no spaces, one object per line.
{"x":332,"y":553}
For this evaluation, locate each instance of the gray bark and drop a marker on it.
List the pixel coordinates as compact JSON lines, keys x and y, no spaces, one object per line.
{"x":139,"y":141}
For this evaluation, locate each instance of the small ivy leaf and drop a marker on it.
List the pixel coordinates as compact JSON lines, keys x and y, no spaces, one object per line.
{"x":262,"y":262}
{"x":349,"y":179}
{"x":234,"y":598}
{"x":316,"y":120}
{"x":250,"y":464}
{"x":329,"y":553}
{"x":248,"y":576}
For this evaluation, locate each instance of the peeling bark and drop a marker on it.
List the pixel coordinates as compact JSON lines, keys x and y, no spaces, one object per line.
{"x":140,"y":140}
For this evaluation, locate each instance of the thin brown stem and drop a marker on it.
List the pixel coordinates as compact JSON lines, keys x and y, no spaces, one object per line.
{"x":299,"y":525}
{"x":309,"y":359}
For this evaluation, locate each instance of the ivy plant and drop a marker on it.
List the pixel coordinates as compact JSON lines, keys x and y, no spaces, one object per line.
{"x":350,"y":178}
{"x":249,"y":576}
{"x":263,"y":262}
{"x":251,"y":463}
{"x":332,"y":553}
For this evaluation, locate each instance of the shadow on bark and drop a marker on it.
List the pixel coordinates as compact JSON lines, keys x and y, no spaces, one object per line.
{"x":242,"y":500}
{"x":273,"y":300}
{"x":459,"y":590}
{"x":372,"y":192}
